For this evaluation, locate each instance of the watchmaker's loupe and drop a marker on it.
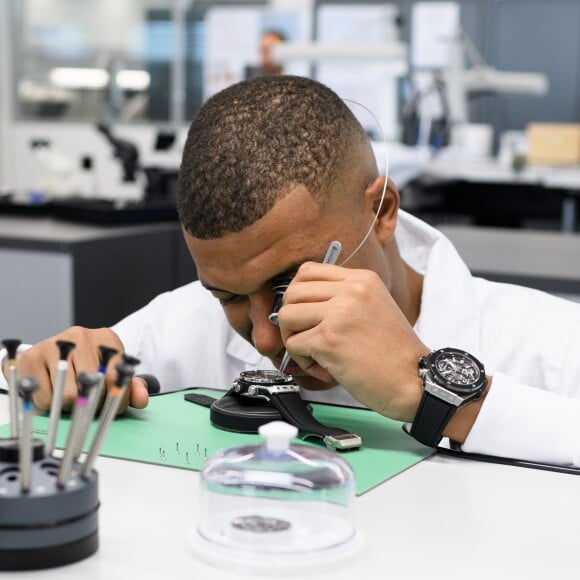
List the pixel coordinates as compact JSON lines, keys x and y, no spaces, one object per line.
{"x":276,"y":507}
{"x":280,"y":285}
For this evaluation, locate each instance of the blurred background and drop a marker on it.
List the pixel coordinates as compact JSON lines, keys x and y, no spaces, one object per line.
{"x":476,"y":103}
{"x":146,"y":65}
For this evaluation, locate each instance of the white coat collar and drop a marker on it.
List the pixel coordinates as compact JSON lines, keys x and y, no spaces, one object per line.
{"x":449,"y":313}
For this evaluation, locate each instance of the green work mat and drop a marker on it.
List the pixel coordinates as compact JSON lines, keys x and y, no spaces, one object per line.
{"x":174,"y":432}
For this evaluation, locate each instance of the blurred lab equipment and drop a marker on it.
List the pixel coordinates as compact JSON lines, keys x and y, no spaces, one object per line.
{"x":124,"y":150}
{"x":481,"y":78}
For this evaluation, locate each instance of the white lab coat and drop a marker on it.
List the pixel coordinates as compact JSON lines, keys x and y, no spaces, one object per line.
{"x":528,"y":341}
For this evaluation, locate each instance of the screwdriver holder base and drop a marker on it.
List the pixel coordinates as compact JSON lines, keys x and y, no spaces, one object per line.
{"x":47,"y":525}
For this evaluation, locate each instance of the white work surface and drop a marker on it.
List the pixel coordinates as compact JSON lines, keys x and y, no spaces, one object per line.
{"x":566,"y":178}
{"x":490,"y":170}
{"x":443,"y":518}
{"x":517,"y":252}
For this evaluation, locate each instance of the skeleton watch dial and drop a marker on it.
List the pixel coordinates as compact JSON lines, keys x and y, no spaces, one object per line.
{"x":457,"y":369}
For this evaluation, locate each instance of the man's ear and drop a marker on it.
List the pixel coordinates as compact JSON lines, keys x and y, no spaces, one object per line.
{"x":387,"y":210}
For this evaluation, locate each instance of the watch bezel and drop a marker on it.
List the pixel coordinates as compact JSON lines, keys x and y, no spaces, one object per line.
{"x":263,"y":383}
{"x":428,"y":366}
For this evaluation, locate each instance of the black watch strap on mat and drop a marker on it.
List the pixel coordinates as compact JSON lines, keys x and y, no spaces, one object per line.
{"x":293,"y":408}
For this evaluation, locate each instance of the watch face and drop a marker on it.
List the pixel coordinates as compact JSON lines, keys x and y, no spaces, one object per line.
{"x":458,"y":370}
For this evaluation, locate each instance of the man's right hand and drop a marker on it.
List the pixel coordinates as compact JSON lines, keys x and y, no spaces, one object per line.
{"x":40,"y":361}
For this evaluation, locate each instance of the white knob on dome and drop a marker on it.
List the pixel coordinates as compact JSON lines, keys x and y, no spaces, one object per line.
{"x":278,"y":434}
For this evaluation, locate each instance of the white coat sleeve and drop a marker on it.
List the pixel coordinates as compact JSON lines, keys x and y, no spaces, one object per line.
{"x":532,"y":411}
{"x":183,"y":338}
{"x":523,"y":422}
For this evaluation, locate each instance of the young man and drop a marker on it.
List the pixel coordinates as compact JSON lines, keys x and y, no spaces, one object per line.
{"x":276,"y":168}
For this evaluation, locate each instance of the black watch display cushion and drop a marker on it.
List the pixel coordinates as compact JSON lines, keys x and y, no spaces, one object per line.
{"x":260,"y":393}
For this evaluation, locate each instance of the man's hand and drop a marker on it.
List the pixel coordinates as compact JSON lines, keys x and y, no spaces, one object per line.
{"x":342,"y":325}
{"x":40,"y":361}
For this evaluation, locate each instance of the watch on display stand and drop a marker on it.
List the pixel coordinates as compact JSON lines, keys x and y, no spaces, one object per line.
{"x":260,"y":396}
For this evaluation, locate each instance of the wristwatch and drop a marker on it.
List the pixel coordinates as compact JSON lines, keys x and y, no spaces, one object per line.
{"x":283,"y":394}
{"x":451,"y":378}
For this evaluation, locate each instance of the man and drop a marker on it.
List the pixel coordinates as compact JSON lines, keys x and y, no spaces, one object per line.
{"x":268,"y":65}
{"x":274,"y":169}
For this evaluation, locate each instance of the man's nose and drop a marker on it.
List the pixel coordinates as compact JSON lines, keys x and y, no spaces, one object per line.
{"x":265,"y":335}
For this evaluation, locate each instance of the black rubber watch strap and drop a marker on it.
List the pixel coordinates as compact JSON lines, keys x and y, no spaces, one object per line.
{"x":293,"y":408}
{"x":431,"y":419}
{"x":198,"y":399}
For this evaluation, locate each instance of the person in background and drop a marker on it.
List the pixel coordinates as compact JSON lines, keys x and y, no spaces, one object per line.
{"x":268,"y":65}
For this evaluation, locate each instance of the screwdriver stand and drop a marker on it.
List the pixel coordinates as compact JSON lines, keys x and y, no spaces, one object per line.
{"x":49,"y":525}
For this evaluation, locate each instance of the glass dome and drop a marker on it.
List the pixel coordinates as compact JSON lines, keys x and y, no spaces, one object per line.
{"x":276,"y":506}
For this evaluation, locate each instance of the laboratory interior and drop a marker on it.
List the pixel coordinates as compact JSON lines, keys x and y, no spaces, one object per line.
{"x":472,"y":110}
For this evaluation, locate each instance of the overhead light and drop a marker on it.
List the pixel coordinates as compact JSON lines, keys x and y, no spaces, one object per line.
{"x":79,"y":78}
{"x":36,"y":92}
{"x":133,"y":80}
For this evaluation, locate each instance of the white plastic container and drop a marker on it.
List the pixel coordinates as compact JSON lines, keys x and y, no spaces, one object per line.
{"x":472,"y":140}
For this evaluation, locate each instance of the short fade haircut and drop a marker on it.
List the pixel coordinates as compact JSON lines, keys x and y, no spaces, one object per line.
{"x":252,"y":143}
